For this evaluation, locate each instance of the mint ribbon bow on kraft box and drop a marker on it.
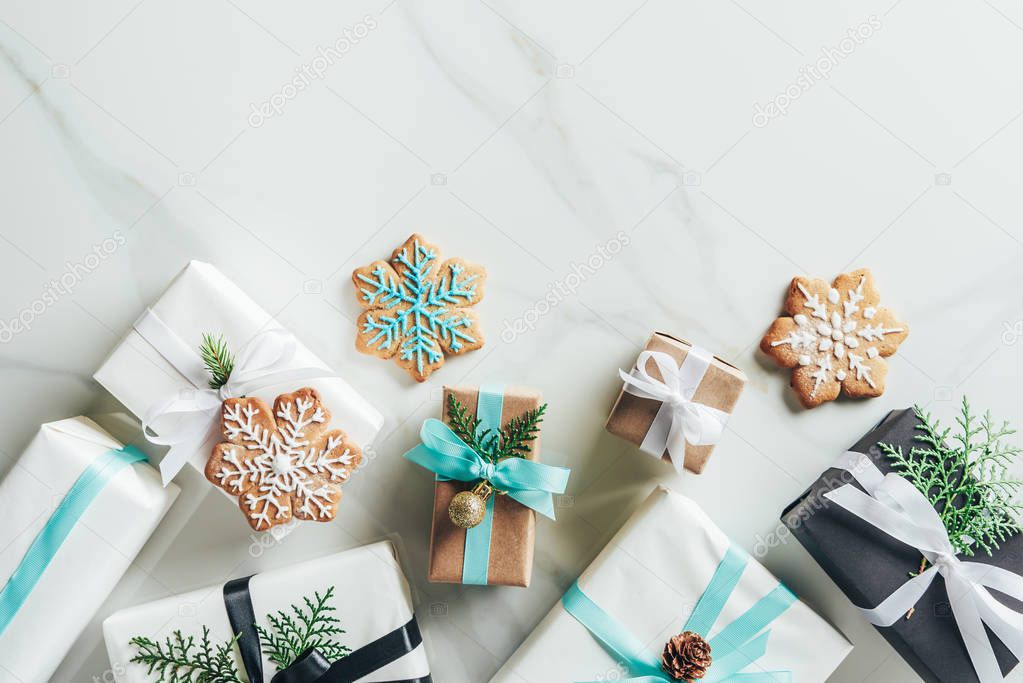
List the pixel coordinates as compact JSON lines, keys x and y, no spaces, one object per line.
{"x":371,"y":600}
{"x":76,"y":509}
{"x":671,"y":569}
{"x":499,"y":551}
{"x":675,"y":402}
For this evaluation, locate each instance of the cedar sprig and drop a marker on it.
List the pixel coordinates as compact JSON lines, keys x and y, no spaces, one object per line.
{"x":512,"y":440}
{"x":311,"y":626}
{"x":218,"y":359}
{"x":183,"y":660}
{"x":968,"y":483}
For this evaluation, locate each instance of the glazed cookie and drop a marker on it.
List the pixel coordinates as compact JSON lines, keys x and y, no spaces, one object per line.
{"x":835,"y":338}
{"x":282,"y":465}
{"x":417,"y":307}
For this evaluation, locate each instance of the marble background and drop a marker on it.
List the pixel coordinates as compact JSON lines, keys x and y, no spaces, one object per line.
{"x":703,"y":142}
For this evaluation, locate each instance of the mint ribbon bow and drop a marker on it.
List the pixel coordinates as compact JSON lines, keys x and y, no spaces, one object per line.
{"x":530,"y":483}
{"x":733,"y":648}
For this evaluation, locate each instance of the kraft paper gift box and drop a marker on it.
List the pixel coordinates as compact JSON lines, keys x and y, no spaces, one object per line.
{"x":514,"y":526}
{"x":632,"y":416}
{"x":868,"y":565}
{"x":76,"y":508}
{"x":202,"y":300}
{"x":649,"y":579}
{"x":371,"y":597}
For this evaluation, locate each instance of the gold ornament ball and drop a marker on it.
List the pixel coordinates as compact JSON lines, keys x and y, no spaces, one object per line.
{"x":467,"y":509}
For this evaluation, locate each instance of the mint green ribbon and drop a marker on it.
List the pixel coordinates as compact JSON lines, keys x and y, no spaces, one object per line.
{"x":734,"y":648}
{"x":530,"y":483}
{"x":53,"y":534}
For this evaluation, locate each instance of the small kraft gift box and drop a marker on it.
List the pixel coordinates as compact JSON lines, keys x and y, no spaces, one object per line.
{"x":675,"y":402}
{"x":77,"y":507}
{"x":343,"y":617}
{"x":672,"y":598}
{"x":954,"y":616}
{"x":489,"y":485}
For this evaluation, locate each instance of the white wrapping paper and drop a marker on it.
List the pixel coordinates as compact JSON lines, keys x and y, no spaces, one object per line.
{"x":202,"y":300}
{"x":649,"y":577}
{"x":91,"y":559}
{"x":372,"y":599}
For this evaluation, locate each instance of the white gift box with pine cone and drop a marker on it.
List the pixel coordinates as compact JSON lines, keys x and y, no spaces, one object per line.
{"x":370,"y":598}
{"x":76,"y":509}
{"x":650,"y":579}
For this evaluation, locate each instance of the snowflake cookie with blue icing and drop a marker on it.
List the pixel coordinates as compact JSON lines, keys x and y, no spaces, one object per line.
{"x":835,"y":338}
{"x":418,"y":307}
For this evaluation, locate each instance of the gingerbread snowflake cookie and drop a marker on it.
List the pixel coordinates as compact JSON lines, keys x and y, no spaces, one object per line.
{"x":285,"y":464}
{"x":417,"y":307}
{"x":835,"y":338}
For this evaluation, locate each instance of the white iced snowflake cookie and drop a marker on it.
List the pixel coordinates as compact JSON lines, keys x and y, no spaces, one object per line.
{"x":285,"y":464}
{"x":835,"y":337}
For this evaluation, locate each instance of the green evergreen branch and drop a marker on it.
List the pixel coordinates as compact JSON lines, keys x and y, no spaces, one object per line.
{"x":311,"y":626}
{"x":182,"y":660}
{"x":218,"y":359}
{"x":513,"y":440}
{"x":968,"y":483}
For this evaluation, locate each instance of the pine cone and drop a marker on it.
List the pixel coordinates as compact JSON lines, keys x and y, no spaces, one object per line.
{"x":686,"y":657}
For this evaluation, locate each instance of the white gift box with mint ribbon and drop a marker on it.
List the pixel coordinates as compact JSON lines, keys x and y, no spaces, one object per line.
{"x":157,"y":373}
{"x":646,"y":585}
{"x":76,"y":508}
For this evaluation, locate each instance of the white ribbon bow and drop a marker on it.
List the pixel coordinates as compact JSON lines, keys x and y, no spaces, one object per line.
{"x":266,"y":360}
{"x":680,"y":419}
{"x":897,"y":508}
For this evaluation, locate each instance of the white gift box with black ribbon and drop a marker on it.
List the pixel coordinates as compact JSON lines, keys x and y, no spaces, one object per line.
{"x":76,"y":508}
{"x":649,"y":579}
{"x":157,"y":373}
{"x":372,"y":600}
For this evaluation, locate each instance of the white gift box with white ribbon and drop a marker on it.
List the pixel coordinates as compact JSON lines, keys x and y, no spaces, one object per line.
{"x":371,"y":596}
{"x":158,"y":362}
{"x":650,"y":577}
{"x":45,"y":606}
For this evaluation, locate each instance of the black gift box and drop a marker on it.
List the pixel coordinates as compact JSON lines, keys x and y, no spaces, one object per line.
{"x":868,"y":565}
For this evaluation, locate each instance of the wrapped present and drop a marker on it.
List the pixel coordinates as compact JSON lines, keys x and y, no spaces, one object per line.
{"x":489,"y":484}
{"x":672,"y":598}
{"x":675,"y":402}
{"x":76,"y":508}
{"x":344,"y":617}
{"x":885,"y":546}
{"x":158,"y":372}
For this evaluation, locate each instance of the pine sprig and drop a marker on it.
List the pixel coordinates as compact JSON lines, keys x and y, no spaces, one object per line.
{"x":512,"y":440}
{"x":182,"y":660}
{"x":311,"y":626}
{"x":218,"y":359}
{"x":968,"y":483}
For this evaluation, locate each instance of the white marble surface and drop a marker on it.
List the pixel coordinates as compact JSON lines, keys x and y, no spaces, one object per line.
{"x":526,"y":136}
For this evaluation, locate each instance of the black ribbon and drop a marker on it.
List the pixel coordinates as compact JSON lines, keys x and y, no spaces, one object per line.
{"x":238,"y":603}
{"x":311,"y":666}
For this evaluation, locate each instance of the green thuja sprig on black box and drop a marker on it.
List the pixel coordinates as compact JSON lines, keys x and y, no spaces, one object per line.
{"x":513,"y":440}
{"x":967,"y":482}
{"x":184,"y":660}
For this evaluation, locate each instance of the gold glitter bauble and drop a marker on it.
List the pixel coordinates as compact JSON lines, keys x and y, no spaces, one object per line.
{"x":467,"y":509}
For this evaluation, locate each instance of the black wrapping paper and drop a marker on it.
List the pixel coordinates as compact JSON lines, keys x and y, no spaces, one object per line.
{"x":868,"y":565}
